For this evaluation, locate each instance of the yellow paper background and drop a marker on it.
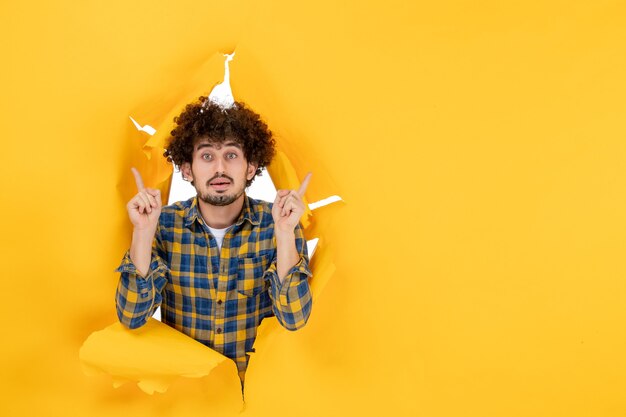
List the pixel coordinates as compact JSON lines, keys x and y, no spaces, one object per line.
{"x":479,"y":147}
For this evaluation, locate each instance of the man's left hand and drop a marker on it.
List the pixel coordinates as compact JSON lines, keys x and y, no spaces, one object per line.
{"x":288,"y":207}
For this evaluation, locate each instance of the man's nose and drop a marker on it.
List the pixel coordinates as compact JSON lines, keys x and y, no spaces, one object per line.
{"x":220,"y":166}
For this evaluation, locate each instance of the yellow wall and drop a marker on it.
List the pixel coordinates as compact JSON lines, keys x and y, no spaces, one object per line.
{"x":479,"y":147}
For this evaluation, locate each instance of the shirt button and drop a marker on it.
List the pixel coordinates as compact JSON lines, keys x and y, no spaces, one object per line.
{"x":219,"y":330}
{"x":219,"y":302}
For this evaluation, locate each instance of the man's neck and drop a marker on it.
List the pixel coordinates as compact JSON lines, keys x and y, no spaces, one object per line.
{"x":221,"y":217}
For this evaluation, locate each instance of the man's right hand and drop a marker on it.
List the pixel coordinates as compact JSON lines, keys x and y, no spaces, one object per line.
{"x":145,"y":207}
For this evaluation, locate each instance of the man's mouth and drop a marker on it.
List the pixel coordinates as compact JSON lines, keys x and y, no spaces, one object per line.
{"x":219,"y":184}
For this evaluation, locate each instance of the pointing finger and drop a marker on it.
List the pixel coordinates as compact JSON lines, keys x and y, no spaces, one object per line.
{"x":305,"y":183}
{"x":138,"y":179}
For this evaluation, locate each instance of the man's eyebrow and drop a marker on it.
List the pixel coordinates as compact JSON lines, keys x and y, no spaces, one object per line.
{"x":233,"y":143}
{"x":203,"y":145}
{"x":211,"y":145}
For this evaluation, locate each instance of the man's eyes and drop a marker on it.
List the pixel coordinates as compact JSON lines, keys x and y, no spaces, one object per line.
{"x":208,"y":156}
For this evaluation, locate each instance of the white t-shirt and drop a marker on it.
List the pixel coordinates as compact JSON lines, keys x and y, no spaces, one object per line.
{"x":219,"y":235}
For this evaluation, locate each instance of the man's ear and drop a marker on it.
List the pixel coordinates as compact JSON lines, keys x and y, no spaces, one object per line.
{"x":185,"y":168}
{"x":251,"y":170}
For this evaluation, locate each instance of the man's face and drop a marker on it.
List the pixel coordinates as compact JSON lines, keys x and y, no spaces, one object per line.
{"x":219,"y":171}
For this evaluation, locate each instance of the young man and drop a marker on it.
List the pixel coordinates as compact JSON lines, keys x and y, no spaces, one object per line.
{"x":220,"y":262}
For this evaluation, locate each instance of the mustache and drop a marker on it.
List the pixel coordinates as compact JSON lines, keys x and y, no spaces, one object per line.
{"x":220,"y":175}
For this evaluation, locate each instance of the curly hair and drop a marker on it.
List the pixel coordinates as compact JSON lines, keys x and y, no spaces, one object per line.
{"x":239,"y":123}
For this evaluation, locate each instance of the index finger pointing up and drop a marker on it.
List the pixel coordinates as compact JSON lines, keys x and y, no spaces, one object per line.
{"x":138,"y":179}
{"x":305,"y":183}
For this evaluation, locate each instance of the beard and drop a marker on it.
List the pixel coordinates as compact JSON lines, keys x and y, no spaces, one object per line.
{"x":220,"y":199}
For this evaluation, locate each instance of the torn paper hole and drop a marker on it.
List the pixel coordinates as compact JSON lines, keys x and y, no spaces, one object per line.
{"x":137,"y":356}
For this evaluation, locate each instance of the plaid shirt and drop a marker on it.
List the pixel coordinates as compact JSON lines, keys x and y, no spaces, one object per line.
{"x":217,"y":297}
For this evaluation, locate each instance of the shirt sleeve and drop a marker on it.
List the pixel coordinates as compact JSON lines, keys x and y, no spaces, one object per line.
{"x":291,"y":299}
{"x":138,"y":297}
